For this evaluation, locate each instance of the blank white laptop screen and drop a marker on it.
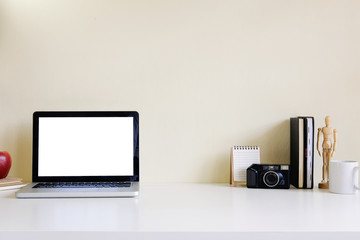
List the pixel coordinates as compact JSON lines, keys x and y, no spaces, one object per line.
{"x":85,"y":146}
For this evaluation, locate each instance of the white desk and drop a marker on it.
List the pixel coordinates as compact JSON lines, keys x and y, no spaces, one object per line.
{"x":178,"y":211}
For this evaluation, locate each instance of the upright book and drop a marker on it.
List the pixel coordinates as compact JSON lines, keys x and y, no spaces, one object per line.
{"x":301,"y":152}
{"x":296,"y":151}
{"x":309,"y":152}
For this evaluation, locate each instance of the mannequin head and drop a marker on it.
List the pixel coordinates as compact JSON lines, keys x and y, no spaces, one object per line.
{"x":328,"y":121}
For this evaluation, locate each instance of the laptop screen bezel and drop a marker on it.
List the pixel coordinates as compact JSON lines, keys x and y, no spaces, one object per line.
{"x":43,"y":114}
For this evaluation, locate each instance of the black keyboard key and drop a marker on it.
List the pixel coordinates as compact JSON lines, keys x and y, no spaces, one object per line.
{"x":82,"y":185}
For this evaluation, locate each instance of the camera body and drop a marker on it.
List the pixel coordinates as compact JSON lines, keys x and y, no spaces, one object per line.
{"x":268,"y":176}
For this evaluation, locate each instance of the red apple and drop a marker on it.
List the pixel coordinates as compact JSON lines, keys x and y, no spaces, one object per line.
{"x":5,"y":164}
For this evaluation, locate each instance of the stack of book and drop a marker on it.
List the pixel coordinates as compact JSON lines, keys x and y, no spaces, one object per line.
{"x":302,"y":152}
{"x":11,"y":183}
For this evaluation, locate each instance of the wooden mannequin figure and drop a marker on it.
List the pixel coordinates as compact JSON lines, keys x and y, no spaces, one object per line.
{"x":328,"y":149}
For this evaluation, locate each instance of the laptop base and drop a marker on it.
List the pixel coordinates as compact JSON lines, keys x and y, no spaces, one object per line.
{"x":30,"y":192}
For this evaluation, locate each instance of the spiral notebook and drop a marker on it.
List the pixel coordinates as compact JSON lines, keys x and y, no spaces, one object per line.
{"x":241,"y":157}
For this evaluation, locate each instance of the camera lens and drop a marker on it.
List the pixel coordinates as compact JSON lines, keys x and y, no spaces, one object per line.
{"x":271,"y":179}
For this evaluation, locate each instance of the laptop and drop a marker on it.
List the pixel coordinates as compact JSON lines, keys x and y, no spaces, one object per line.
{"x":84,"y":154}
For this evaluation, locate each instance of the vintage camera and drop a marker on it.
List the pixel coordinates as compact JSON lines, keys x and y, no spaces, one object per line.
{"x":268,"y":176}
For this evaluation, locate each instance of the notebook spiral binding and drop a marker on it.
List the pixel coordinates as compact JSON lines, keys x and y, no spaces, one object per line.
{"x":246,"y":147}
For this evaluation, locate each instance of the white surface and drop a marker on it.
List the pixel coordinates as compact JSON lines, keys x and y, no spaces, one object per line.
{"x":104,"y":145}
{"x":188,"y":208}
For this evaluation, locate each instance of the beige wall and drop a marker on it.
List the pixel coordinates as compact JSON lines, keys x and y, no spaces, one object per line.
{"x":204,"y":75}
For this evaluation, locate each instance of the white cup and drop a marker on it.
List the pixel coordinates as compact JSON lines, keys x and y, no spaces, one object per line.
{"x":343,"y":176}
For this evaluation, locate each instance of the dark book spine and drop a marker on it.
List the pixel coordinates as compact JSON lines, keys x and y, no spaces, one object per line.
{"x":294,"y":152}
{"x":306,"y":149}
{"x":312,"y":152}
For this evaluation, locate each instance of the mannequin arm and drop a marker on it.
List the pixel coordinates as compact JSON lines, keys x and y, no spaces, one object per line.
{"x":334,"y":147}
{"x":318,"y":141}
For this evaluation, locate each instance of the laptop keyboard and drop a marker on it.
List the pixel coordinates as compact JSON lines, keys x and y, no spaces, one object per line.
{"x":82,"y":185}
